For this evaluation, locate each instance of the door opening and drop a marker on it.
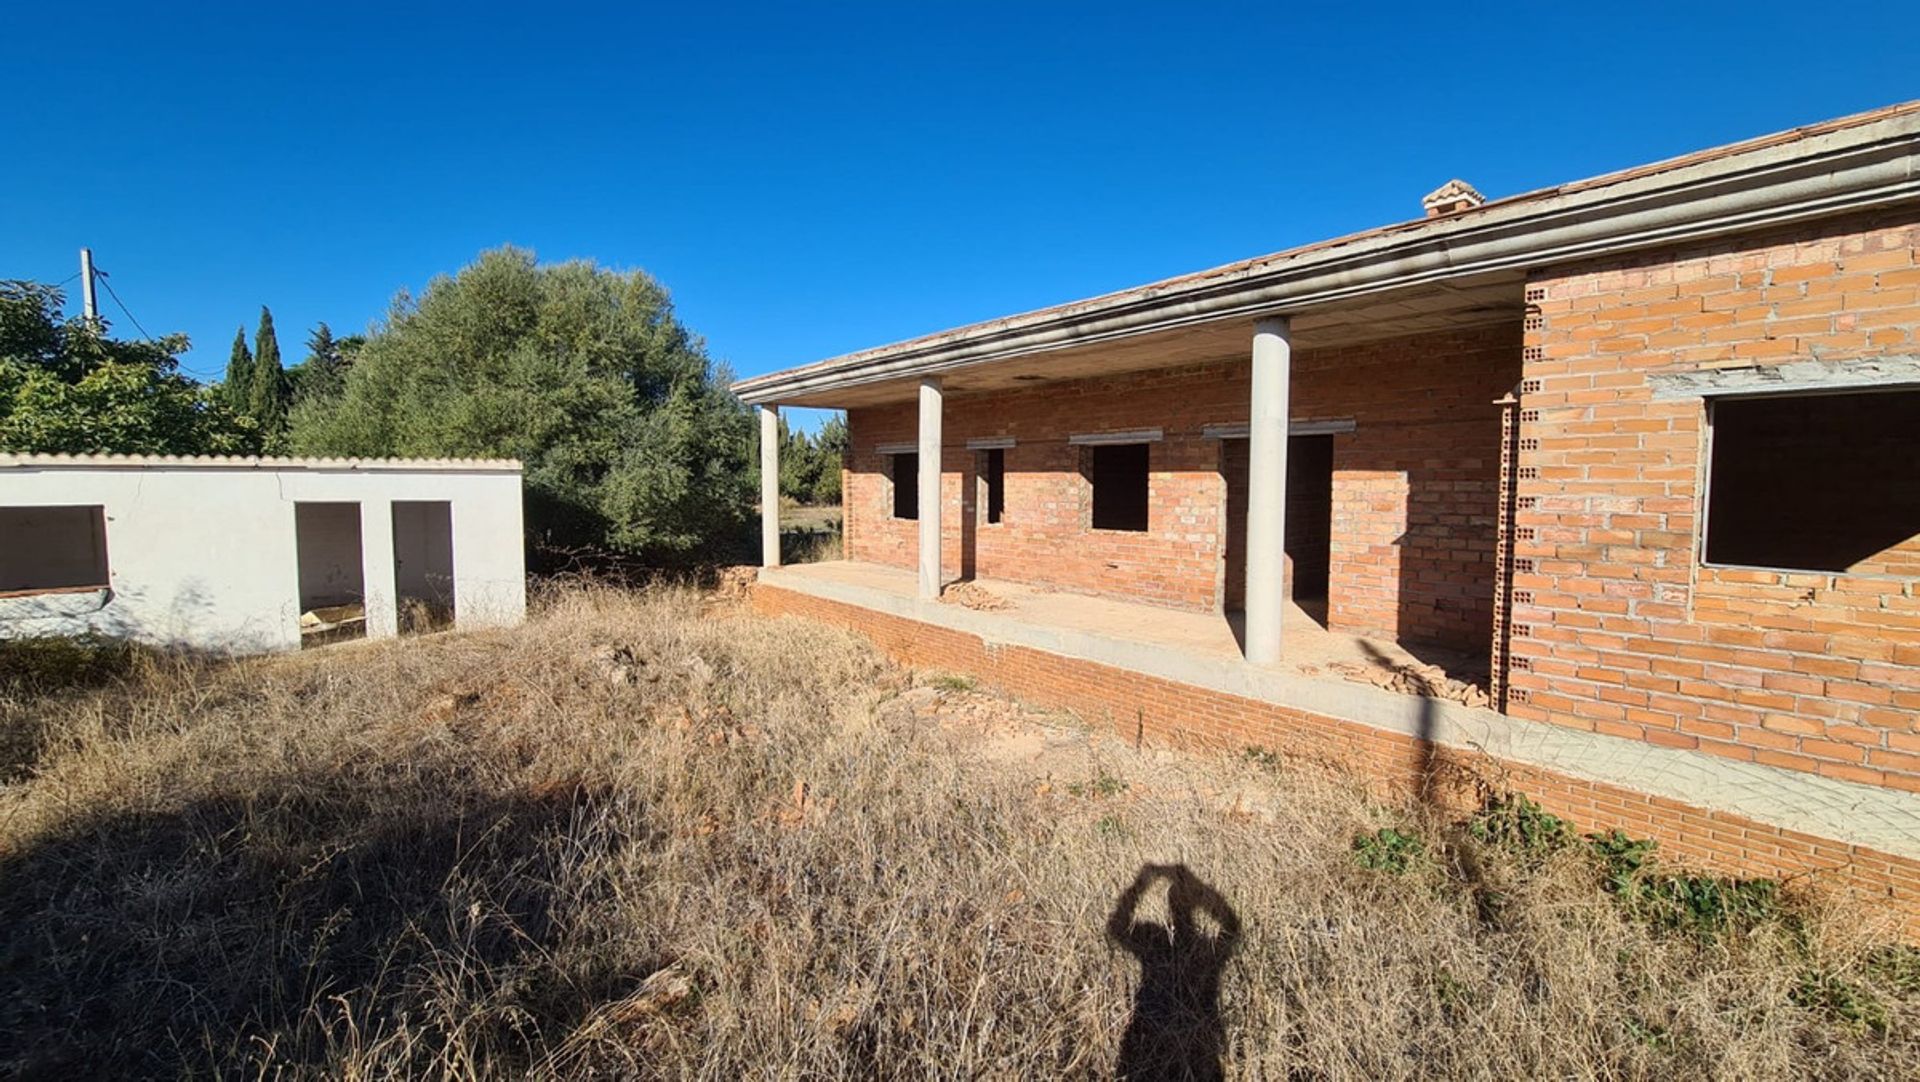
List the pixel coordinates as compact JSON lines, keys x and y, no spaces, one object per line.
{"x":1309,"y":521}
{"x":326,"y":541}
{"x":423,"y":563}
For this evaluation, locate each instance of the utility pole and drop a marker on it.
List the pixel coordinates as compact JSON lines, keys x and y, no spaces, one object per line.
{"x":89,"y":303}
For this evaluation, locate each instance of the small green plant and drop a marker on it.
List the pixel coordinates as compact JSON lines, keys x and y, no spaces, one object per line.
{"x":1706,"y":906}
{"x":1518,"y":825}
{"x":1649,"y":1034}
{"x":1899,"y":966}
{"x":1622,"y":857}
{"x":955,"y":682}
{"x":1110,"y":826}
{"x":1102,"y":785}
{"x":1264,"y":758}
{"x":1387,"y":850}
{"x":1840,"y":1000}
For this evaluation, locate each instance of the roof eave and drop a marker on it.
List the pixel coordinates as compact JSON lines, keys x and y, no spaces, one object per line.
{"x":1848,"y":169}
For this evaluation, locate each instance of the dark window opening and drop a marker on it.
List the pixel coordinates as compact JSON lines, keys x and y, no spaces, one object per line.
{"x":906,"y":485}
{"x":52,"y":548}
{"x":1816,"y":482}
{"x":1119,"y":474}
{"x":993,"y":483}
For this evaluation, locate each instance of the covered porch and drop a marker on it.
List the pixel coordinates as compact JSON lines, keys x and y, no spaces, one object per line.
{"x":1134,"y":634}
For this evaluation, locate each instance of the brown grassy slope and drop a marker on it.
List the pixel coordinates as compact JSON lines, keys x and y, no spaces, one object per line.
{"x":638,"y":838}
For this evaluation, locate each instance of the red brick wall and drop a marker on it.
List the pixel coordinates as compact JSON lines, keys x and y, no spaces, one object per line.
{"x":1149,"y":708}
{"x":1413,"y":487}
{"x":1619,"y":626}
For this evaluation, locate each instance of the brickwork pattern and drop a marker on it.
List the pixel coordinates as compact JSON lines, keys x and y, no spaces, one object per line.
{"x":1148,"y":708}
{"x":1413,"y":484}
{"x":1618,"y":626}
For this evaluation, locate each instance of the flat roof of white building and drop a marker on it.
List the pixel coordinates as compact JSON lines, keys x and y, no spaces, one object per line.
{"x":254,"y":462}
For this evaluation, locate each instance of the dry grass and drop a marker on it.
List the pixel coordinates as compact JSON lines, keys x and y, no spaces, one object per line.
{"x":637,"y":838}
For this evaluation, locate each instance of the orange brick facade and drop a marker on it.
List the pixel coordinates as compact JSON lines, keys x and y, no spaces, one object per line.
{"x":1148,"y":708}
{"x":1413,"y":487}
{"x":1619,"y":625}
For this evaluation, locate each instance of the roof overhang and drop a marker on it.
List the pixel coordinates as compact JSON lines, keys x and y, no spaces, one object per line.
{"x":1457,"y":268}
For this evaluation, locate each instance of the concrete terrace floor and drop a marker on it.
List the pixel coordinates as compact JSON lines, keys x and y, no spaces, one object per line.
{"x":1307,"y":648}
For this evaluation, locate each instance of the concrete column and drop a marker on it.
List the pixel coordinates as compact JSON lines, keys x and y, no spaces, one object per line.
{"x":769,"y":486}
{"x":930,"y":487}
{"x":1267,"y":488}
{"x":378,"y":580}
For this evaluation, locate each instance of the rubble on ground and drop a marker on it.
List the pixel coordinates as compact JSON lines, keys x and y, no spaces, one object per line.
{"x":1430,"y":681}
{"x":972,"y":595}
{"x":735,"y":582}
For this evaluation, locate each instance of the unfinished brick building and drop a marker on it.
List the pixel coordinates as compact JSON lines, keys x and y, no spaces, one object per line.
{"x":1619,"y":478}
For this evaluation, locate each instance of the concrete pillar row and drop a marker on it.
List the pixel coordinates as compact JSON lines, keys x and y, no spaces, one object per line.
{"x":930,"y":402}
{"x":769,"y":486}
{"x":1267,"y":488}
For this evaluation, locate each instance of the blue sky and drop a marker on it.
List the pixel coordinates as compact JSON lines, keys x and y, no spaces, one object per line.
{"x":809,"y":181}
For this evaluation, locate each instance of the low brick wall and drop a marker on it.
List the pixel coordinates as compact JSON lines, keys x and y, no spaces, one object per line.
{"x":1149,"y":708}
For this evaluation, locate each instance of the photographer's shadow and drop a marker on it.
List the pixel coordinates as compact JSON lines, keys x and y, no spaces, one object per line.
{"x":1176,"y":1031}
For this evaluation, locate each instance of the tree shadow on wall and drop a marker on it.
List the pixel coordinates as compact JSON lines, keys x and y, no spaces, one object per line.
{"x":1176,"y":1031}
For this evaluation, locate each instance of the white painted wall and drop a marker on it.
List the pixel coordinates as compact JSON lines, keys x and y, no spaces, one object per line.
{"x":203,"y":553}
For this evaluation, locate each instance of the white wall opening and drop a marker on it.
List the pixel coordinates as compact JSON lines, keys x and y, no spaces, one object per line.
{"x":333,"y":591}
{"x":52,"y":549}
{"x":423,"y":563}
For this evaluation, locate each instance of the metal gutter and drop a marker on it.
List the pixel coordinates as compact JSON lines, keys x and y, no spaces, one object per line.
{"x":1781,"y":180}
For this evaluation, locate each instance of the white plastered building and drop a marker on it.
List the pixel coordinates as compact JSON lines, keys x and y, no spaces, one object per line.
{"x":226,"y":554}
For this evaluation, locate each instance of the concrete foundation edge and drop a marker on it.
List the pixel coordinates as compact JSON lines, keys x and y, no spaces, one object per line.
{"x":1740,"y":817}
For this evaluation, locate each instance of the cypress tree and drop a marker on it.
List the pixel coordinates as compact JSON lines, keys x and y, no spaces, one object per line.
{"x":323,"y":373}
{"x":269,"y":399}
{"x":237,"y":391}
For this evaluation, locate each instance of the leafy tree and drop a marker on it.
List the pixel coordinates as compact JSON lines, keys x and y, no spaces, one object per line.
{"x":237,"y":389}
{"x":66,"y":386}
{"x":267,"y":403}
{"x":630,"y":439}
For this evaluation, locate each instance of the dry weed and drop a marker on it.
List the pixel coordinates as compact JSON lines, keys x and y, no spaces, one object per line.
{"x":644,"y":836}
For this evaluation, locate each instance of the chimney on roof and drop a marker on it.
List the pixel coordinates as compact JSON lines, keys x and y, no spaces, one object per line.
{"x":1454,"y":195}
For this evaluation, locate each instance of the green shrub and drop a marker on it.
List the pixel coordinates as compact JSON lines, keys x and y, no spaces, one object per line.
{"x":1387,"y":850}
{"x":1706,"y":906}
{"x":1518,"y":825}
{"x":1840,"y":1000}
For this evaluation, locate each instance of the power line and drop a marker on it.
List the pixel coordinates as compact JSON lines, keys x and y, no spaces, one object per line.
{"x":101,"y":275}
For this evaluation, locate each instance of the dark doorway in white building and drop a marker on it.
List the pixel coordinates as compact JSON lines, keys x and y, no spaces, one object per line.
{"x":333,"y":594}
{"x":423,"y":563}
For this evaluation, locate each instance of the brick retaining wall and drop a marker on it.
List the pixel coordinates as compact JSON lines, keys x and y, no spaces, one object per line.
{"x":1163,"y":711}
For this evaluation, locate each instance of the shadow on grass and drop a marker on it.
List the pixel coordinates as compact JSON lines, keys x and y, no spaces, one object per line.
{"x":189,"y":941}
{"x":1175,"y":1031}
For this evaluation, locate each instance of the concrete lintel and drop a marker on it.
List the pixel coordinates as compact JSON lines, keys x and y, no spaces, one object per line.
{"x":1802,"y":377}
{"x":1131,"y":435}
{"x":990,"y":443}
{"x":1294,"y":428}
{"x":1885,"y":820}
{"x":898,"y":447}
